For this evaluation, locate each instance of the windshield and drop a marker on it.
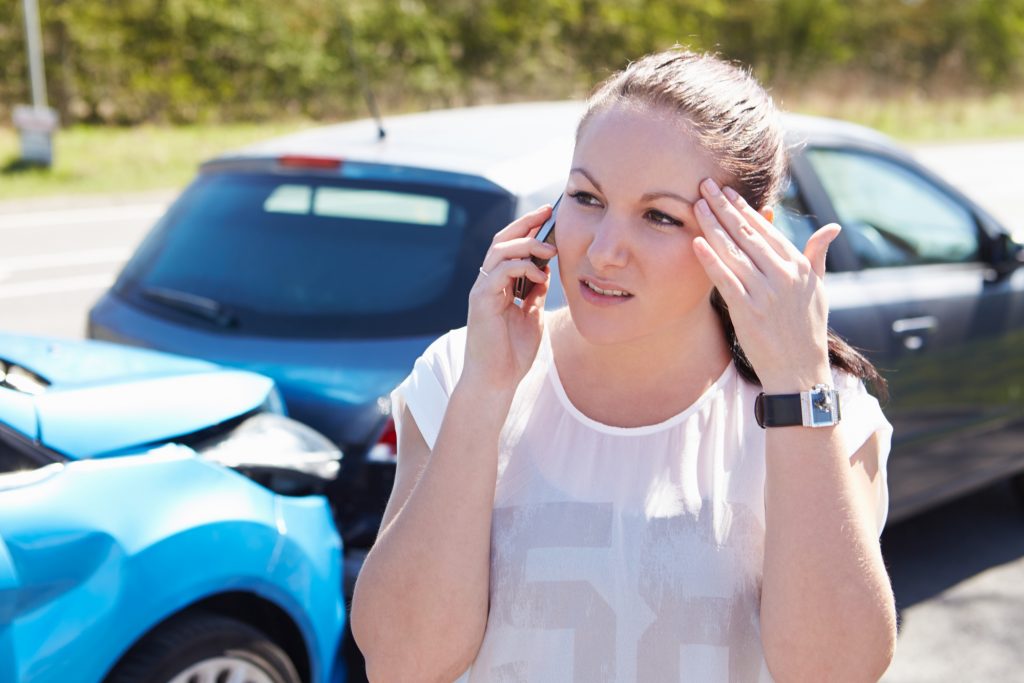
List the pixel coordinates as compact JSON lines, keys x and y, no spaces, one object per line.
{"x":307,"y":256}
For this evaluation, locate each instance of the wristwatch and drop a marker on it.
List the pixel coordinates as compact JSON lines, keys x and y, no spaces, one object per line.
{"x":818,"y":407}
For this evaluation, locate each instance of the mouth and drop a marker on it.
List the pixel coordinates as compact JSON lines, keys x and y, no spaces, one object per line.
{"x":607,"y":293}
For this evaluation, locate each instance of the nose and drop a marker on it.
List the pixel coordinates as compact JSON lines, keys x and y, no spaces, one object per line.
{"x":608,"y":244}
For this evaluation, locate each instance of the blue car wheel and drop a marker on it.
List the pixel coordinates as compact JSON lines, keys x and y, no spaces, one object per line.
{"x":205,"y":647}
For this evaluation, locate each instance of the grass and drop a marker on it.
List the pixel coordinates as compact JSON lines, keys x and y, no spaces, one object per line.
{"x":914,"y":118}
{"x":96,"y":159}
{"x":99,"y":159}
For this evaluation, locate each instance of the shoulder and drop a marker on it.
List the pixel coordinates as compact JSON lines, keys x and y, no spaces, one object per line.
{"x":444,"y":358}
{"x":426,"y":389}
{"x":845,"y":381}
{"x":861,"y":414}
{"x":449,"y":343}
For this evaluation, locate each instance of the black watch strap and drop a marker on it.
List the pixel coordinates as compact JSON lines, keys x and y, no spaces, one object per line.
{"x":778,"y":410}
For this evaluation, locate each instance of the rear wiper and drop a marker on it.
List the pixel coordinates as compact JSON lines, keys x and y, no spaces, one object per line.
{"x":204,"y":307}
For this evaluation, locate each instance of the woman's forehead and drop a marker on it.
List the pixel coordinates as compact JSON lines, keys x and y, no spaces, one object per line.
{"x":636,"y":147}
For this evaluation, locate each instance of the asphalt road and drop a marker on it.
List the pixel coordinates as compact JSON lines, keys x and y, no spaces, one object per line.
{"x":958,"y":571}
{"x":958,"y":576}
{"x":58,"y":256}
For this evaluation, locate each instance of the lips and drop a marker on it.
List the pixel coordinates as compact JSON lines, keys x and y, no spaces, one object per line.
{"x":602,"y":293}
{"x":605,"y":287}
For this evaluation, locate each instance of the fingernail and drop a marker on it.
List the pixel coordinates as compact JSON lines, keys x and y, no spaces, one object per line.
{"x":703,"y":208}
{"x":712,"y":187}
{"x":731,"y":193}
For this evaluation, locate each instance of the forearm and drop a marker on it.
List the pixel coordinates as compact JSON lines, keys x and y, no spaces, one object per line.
{"x":424,"y":584}
{"x":827,"y":610}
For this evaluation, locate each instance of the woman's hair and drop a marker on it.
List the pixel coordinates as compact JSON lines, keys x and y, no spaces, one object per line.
{"x":730,"y":115}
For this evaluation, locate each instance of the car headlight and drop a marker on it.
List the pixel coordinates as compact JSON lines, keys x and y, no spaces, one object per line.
{"x":278,"y":452}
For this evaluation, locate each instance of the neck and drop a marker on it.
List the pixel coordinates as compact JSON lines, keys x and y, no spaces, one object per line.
{"x":688,"y":354}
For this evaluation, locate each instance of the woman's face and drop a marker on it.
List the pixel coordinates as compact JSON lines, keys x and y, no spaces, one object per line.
{"x":626,"y":225}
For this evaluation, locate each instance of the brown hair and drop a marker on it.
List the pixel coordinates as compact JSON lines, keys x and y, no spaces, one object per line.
{"x":731,"y":116}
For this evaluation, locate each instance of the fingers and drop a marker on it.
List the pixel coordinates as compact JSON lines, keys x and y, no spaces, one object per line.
{"x":511,"y":256}
{"x":741,"y":247}
{"x":720,"y":274}
{"x":772,"y":235}
{"x":817,"y":246}
{"x":499,"y":280}
{"x":517,"y":248}
{"x":534,"y":301}
{"x":522,"y":226}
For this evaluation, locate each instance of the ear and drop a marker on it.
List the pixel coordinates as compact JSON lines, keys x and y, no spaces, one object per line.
{"x":768,"y":212}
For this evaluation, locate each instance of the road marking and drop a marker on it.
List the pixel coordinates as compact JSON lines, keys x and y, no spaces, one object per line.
{"x":65,"y":217}
{"x":68,"y":284}
{"x":116,"y":255}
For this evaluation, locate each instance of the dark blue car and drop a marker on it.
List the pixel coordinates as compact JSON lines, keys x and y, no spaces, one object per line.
{"x":330,"y":259}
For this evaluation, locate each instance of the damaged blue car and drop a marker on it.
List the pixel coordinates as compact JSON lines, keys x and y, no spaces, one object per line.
{"x":161,"y":519}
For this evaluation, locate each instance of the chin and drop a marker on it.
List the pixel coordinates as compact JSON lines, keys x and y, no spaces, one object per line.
{"x":605,"y":327}
{"x":633,"y":322}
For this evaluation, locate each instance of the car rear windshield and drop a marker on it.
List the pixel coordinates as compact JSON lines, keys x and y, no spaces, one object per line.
{"x":311,"y":256}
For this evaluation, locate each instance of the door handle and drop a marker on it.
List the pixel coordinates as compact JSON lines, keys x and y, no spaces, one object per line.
{"x":913,"y":330}
{"x":923,"y":323}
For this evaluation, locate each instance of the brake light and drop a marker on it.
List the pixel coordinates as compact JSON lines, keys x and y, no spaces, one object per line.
{"x":386,"y":448}
{"x":303,"y":161}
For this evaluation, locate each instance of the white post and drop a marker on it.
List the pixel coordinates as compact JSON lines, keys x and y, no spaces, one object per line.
{"x":34,"y":42}
{"x":35,"y":124}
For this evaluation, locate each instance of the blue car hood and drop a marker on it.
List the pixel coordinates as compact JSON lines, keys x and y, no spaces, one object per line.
{"x":334,"y":385}
{"x":68,"y":363}
{"x":105,"y":399}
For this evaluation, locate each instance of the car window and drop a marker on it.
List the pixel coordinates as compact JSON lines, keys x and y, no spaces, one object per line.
{"x":892,"y":215}
{"x":312,"y":256}
{"x":370,"y":205}
{"x":791,"y":217}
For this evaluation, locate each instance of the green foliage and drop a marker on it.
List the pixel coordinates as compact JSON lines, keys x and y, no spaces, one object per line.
{"x":202,"y":60}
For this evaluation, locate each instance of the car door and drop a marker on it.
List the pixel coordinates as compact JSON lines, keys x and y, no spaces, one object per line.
{"x":942,"y":324}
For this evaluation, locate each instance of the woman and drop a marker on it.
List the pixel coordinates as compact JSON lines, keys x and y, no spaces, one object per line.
{"x":586,"y":495}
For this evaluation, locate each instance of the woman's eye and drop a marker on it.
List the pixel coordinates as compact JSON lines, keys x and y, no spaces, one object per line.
{"x":662,"y":218}
{"x":585,"y":198}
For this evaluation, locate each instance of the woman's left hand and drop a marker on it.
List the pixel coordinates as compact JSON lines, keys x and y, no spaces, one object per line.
{"x":776,"y":295}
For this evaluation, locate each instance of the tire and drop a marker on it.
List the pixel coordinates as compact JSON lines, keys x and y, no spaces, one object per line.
{"x":190,"y":645}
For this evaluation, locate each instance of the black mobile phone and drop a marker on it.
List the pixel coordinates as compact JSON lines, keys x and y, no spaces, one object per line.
{"x":546,"y":233}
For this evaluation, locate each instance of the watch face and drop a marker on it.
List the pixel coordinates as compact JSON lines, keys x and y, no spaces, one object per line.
{"x":824,"y":407}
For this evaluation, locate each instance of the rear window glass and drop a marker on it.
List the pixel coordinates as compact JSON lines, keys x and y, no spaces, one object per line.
{"x":312,"y":256}
{"x":371,"y":205}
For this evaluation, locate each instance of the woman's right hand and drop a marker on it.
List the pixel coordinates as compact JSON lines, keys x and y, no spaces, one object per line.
{"x":502,"y":338}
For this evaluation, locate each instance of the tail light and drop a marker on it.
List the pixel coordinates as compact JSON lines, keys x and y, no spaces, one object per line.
{"x":306,"y":161}
{"x":386,"y":448}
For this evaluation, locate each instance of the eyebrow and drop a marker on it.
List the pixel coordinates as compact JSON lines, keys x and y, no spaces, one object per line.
{"x":669,"y":195}
{"x":583,"y":172}
{"x":646,"y":197}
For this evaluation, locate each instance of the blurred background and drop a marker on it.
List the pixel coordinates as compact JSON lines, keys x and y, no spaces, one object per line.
{"x":146,"y":89}
{"x":158,"y":84}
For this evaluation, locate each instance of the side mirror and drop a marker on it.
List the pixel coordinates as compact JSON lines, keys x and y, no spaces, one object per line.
{"x":1005,"y":255}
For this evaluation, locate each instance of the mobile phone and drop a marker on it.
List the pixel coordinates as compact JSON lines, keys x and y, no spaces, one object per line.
{"x":524,"y":285}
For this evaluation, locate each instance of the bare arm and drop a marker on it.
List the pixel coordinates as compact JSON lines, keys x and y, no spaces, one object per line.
{"x":420,"y":607}
{"x":827,"y":610}
{"x":421,"y":598}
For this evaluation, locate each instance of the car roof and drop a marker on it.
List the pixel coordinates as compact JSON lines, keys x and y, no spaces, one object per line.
{"x":821,"y":130}
{"x":522,"y":147}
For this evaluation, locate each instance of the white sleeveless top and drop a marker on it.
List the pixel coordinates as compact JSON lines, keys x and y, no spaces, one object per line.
{"x":625,"y":554}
